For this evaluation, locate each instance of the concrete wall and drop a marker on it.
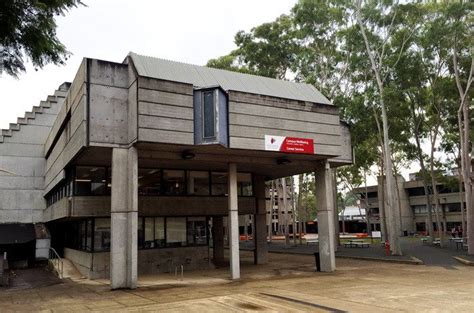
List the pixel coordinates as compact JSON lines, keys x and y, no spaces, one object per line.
{"x":22,"y":155}
{"x":165,"y":111}
{"x":68,"y":135}
{"x":152,"y":261}
{"x":148,"y":206}
{"x":109,"y":109}
{"x":251,"y":117}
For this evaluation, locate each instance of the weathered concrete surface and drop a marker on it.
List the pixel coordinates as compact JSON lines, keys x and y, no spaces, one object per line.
{"x":233,"y":221}
{"x":22,"y":163}
{"x":124,"y":218}
{"x":355,"y":287}
{"x":325,"y":206}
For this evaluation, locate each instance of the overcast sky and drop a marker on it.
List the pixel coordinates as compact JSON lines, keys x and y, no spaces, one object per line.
{"x":188,"y":31}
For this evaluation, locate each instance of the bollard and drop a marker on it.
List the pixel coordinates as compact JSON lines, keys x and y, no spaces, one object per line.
{"x":182,"y":270}
{"x":387,"y":248}
{"x":317,"y":260}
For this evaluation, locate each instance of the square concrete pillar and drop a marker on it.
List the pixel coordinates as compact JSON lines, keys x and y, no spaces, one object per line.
{"x":218,"y":239}
{"x":325,"y":206}
{"x":260,"y":222}
{"x":124,"y":218}
{"x":233,"y":221}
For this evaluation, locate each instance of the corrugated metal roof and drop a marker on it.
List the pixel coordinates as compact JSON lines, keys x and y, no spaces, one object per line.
{"x":201,"y":76}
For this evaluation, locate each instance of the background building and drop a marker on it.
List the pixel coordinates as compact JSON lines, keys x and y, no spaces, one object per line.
{"x":413,"y":203}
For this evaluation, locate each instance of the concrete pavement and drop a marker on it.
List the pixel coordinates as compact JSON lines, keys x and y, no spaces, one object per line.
{"x":287,"y":284}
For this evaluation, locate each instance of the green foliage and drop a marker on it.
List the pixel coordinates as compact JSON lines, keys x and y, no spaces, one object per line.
{"x":320,"y":43}
{"x":28,"y":31}
{"x":306,"y":196}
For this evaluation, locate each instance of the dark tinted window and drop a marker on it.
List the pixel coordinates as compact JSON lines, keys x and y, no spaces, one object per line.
{"x":208,"y":115}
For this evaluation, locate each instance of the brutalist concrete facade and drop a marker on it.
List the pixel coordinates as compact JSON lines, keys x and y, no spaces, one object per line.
{"x":111,"y":164}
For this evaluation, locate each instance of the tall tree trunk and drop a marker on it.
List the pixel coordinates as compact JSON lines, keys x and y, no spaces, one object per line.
{"x":293,"y":210}
{"x":421,"y":160}
{"x":279,"y":226}
{"x":394,"y":224}
{"x":272,"y":204}
{"x":285,"y":208}
{"x":366,"y":198}
{"x":382,"y":213}
{"x":300,"y":213}
{"x":461,"y":200}
{"x":399,"y":204}
{"x":464,"y":132}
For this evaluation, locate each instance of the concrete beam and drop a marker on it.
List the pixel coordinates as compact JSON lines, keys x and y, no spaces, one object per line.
{"x":124,"y":218}
{"x":233,"y":223}
{"x":325,"y":206}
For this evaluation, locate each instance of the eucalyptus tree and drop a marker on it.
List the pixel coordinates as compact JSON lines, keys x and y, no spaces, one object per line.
{"x":387,"y":30}
{"x":460,"y":19}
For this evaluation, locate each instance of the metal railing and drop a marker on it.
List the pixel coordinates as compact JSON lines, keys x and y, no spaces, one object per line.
{"x":56,"y":262}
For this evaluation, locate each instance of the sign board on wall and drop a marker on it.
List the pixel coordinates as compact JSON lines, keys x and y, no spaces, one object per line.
{"x":289,"y":144}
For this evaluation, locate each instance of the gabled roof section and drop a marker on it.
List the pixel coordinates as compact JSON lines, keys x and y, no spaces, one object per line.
{"x":201,"y":76}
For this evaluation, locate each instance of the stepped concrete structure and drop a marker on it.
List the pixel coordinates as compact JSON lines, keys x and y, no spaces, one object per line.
{"x":145,"y":166}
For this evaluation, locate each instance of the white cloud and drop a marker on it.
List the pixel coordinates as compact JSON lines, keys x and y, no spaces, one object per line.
{"x":187,"y":31}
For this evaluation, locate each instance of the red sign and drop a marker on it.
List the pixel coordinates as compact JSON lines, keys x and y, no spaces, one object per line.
{"x":289,"y":144}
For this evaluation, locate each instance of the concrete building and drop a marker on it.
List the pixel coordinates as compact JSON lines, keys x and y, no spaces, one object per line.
{"x":133,"y":166}
{"x":412,"y":200}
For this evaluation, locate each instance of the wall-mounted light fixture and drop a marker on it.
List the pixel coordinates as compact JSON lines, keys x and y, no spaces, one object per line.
{"x":187,"y":155}
{"x":283,"y":161}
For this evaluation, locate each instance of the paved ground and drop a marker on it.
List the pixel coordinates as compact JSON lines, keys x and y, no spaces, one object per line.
{"x":287,"y":284}
{"x":411,"y":247}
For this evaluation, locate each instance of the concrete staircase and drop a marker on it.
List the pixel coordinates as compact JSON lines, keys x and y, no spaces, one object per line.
{"x":58,"y":95}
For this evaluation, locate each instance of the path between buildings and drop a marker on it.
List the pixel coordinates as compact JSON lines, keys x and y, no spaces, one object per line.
{"x":413,"y":250}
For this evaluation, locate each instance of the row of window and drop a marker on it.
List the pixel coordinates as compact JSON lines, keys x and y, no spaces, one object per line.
{"x":93,"y":234}
{"x":447,"y":207}
{"x":97,"y":181}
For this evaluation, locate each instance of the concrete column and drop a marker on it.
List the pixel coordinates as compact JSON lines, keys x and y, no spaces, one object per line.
{"x":325,"y":207}
{"x":218,"y":238}
{"x":260,"y":222}
{"x":233,"y":223}
{"x":124,"y":218}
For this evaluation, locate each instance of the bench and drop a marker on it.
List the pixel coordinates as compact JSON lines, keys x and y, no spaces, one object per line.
{"x":356,"y":244}
{"x":312,"y":240}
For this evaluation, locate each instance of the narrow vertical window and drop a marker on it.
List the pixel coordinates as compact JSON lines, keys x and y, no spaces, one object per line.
{"x":209,"y":125}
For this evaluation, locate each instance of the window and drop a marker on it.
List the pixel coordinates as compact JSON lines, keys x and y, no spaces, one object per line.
{"x":208,"y":115}
{"x":244,"y":182}
{"x":90,"y":181}
{"x":159,"y":231}
{"x":219,"y":183}
{"x":149,"y":182}
{"x":102,"y":234}
{"x":175,"y":231}
{"x":140,"y":235}
{"x":198,"y":183}
{"x":197,"y":231}
{"x":149,"y":232}
{"x":173,"y":182}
